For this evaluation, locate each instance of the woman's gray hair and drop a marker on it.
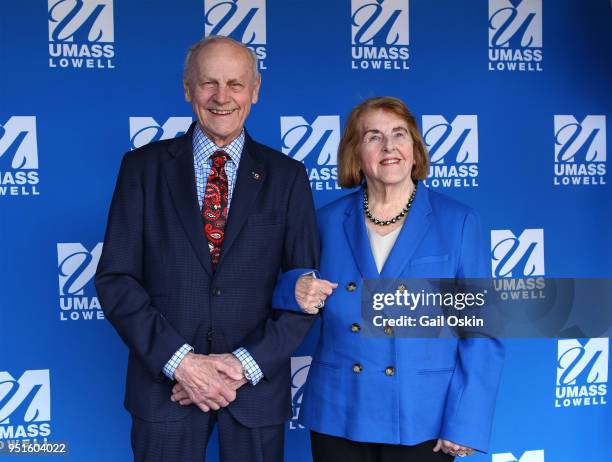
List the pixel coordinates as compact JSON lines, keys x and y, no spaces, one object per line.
{"x":193,"y":51}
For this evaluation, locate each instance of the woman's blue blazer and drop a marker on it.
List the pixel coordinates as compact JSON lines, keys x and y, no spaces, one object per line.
{"x":440,"y":388}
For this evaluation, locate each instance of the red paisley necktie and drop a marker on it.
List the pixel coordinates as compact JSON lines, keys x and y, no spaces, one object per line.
{"x":214,"y":207}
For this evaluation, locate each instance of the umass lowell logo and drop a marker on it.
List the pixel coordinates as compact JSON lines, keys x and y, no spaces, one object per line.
{"x":517,"y":256}
{"x":379,"y":34}
{"x":582,"y":372}
{"x":242,"y":20}
{"x":76,"y":266}
{"x":453,"y":150}
{"x":517,"y":263}
{"x":81,"y":34}
{"x":145,"y":130}
{"x":515,"y":35}
{"x":300,"y":365}
{"x":19,"y":157}
{"x":580,"y":150}
{"x":25,"y":405}
{"x":315,"y":144}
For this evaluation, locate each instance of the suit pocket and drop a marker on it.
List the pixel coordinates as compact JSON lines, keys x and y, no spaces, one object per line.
{"x":266,"y":219}
{"x":429,"y":259}
{"x":444,"y":370}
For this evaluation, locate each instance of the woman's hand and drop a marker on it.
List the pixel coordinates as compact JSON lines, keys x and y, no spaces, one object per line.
{"x":448,"y":447}
{"x":311,"y":293}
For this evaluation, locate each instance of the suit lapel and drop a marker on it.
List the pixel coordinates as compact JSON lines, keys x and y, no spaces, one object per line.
{"x":357,"y":237}
{"x":251,"y":175}
{"x":410,"y":236}
{"x":180,"y":176}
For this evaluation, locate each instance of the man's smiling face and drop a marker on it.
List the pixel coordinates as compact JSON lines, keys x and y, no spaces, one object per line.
{"x":221,"y":88}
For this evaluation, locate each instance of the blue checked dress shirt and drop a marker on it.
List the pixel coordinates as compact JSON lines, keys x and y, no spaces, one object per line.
{"x":203,"y":149}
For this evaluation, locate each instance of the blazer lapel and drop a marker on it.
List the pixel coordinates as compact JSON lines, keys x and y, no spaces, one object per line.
{"x":251,"y":175}
{"x":410,"y":236}
{"x":357,"y":237}
{"x":180,"y":176}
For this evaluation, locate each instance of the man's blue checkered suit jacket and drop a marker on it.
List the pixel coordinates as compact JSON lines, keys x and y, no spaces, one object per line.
{"x":158,"y":290}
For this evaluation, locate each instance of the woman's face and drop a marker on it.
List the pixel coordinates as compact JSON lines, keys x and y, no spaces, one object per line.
{"x":386,"y":148}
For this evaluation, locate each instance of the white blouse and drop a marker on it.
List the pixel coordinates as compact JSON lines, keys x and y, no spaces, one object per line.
{"x":381,"y":245}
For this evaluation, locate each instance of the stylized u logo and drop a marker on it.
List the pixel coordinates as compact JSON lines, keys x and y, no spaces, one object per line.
{"x":14,"y":404}
{"x":239,"y":31}
{"x":569,"y":152}
{"x":379,"y":37}
{"x":12,"y":148}
{"x":508,"y":33}
{"x":68,"y":28}
{"x":511,"y":260}
{"x":436,"y":154}
{"x":151,"y":133}
{"x":27,"y":398}
{"x":571,"y":371}
{"x":297,"y":388}
{"x":18,"y":142}
{"x":295,"y":149}
{"x":77,"y":278}
{"x":299,"y":152}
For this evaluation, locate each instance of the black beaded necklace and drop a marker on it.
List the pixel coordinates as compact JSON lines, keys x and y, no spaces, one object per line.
{"x":395,"y":219}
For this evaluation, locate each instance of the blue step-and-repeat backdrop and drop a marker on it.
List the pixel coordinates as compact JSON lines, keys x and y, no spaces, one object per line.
{"x":512,"y":97}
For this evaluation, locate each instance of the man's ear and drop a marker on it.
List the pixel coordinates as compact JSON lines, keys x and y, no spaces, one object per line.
{"x":255,"y":95}
{"x":187,"y":91}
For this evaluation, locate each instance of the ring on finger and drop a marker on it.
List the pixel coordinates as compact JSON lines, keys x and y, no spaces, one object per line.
{"x":320,"y":305}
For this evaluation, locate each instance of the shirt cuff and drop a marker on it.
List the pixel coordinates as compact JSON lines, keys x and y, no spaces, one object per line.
{"x":176,"y":359}
{"x":252,"y":371}
{"x":313,"y":273}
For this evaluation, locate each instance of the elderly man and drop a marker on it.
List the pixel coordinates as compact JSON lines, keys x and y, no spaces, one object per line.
{"x":198,"y":230}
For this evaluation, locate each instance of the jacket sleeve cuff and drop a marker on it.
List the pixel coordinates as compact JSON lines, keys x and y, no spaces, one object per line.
{"x":283,"y":297}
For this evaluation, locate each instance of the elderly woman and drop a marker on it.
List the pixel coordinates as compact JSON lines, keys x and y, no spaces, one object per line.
{"x":391,"y":399}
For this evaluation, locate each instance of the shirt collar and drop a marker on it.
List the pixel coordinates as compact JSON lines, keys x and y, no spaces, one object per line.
{"x":204,"y":147}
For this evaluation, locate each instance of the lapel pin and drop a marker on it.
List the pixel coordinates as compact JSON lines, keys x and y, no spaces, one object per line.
{"x":256,"y":175}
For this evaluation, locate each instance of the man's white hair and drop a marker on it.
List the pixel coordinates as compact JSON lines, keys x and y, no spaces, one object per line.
{"x":193,"y":51}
